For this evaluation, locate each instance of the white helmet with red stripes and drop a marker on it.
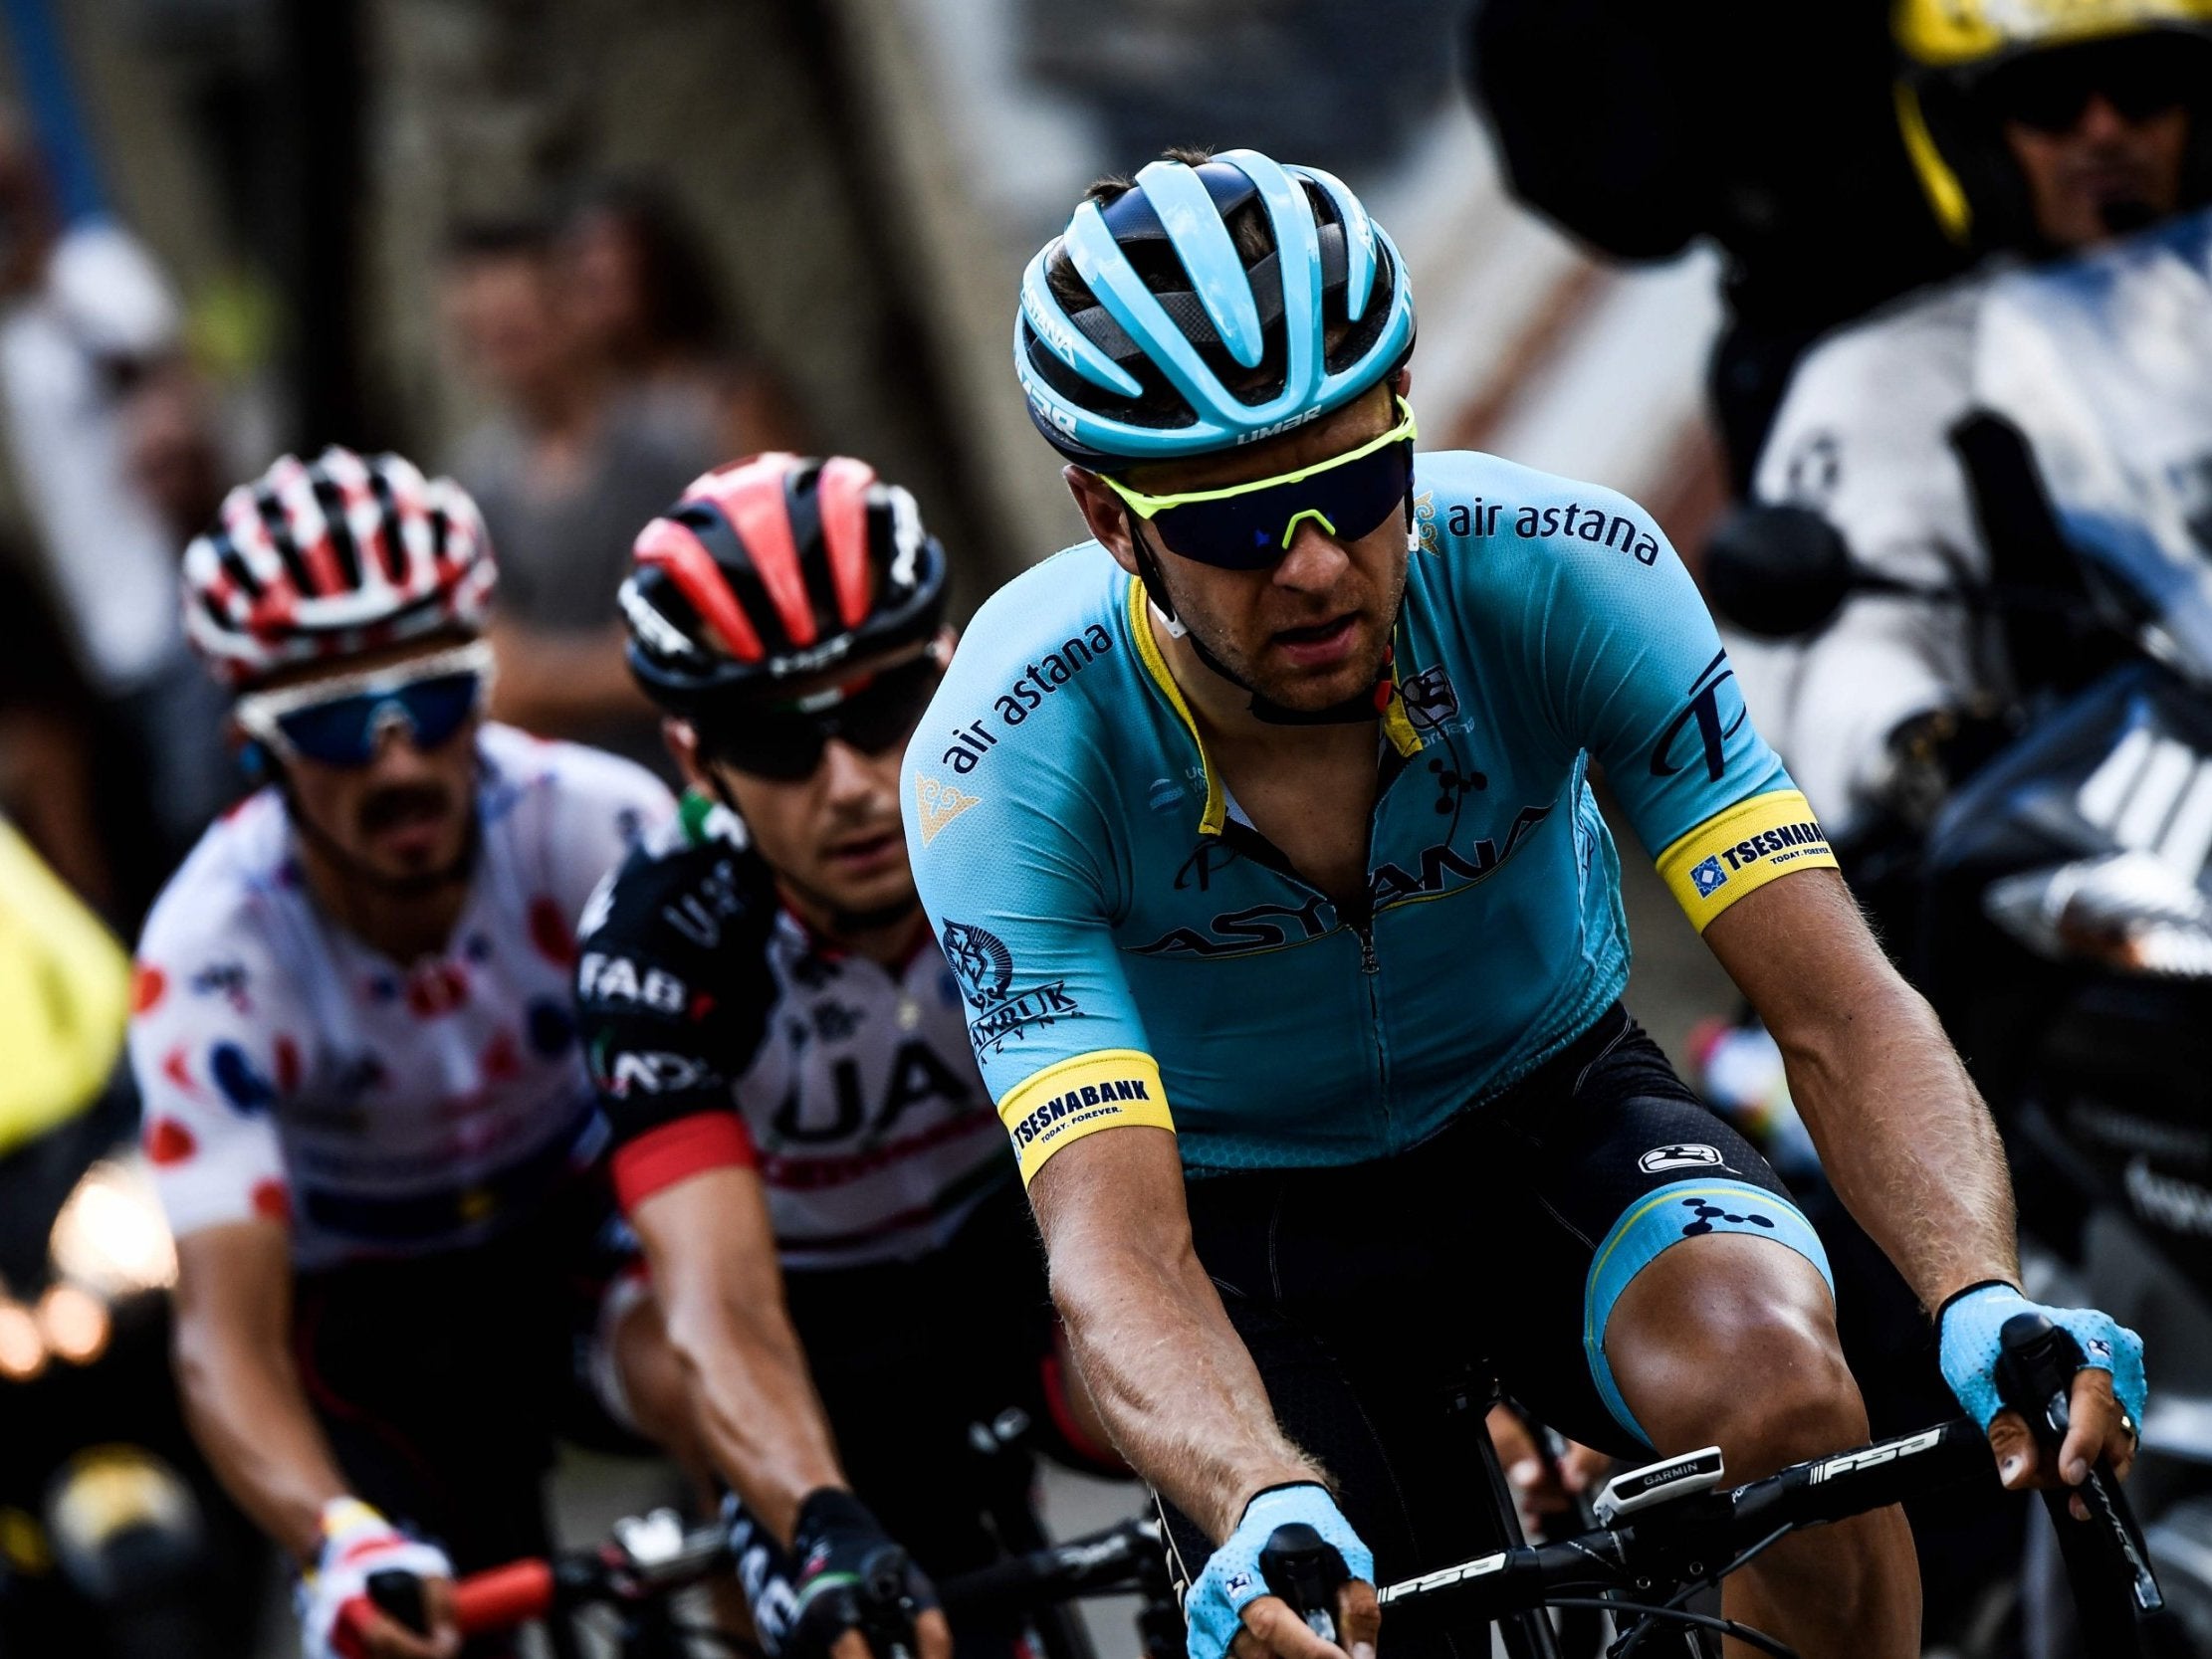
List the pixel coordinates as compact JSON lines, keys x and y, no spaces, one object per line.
{"x":322,"y":559}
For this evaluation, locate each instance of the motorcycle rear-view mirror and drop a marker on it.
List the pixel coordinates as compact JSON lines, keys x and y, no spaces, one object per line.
{"x":1776,"y":571}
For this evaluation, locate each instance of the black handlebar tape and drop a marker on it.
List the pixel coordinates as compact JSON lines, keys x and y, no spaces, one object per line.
{"x":1305,"y":1570}
{"x":398,"y":1596}
{"x":2036,"y":1367}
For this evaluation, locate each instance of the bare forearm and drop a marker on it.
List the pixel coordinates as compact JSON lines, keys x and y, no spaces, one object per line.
{"x":756,"y":1405}
{"x":1902,"y":1132}
{"x":251,"y":1419}
{"x":1908,"y":1144}
{"x":1179,"y":1394}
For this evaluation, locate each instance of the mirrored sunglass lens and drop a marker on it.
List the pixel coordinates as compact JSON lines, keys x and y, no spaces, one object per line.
{"x":439,"y":707}
{"x":1245,"y":532}
{"x":344,"y":731}
{"x":1365,"y":494}
{"x":337,"y":732}
{"x":1239,"y":533}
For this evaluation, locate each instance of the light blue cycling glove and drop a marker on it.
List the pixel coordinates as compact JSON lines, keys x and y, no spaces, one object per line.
{"x":1968,"y":1336}
{"x":1233,"y":1578}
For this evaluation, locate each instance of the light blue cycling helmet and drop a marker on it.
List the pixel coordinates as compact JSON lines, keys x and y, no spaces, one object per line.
{"x":1184,"y":344}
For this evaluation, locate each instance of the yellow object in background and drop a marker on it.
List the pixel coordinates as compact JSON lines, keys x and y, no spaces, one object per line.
{"x":64,"y":998}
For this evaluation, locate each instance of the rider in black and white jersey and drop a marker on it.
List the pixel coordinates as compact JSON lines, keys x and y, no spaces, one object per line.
{"x":781,"y":1049}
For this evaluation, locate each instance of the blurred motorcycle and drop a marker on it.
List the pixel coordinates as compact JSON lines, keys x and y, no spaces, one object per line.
{"x":2045,"y":877}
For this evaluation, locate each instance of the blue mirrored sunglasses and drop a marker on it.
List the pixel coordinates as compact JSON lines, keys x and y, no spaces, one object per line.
{"x":341,"y":722}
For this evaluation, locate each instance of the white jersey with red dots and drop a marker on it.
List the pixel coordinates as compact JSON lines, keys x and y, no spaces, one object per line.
{"x":381,"y":1109}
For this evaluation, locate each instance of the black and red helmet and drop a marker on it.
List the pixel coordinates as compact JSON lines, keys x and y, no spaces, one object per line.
{"x":774,"y":569}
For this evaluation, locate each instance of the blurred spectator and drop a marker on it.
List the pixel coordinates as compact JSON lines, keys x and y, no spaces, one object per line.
{"x":47,"y":739}
{"x":85,"y":318}
{"x":170,"y":449}
{"x":567,"y":470}
{"x":643,"y":297}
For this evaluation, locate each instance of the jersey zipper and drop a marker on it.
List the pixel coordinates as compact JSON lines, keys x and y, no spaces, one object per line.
{"x":1371,"y":978}
{"x":1243,"y":837}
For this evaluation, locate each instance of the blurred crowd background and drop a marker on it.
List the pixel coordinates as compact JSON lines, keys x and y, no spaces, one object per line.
{"x":573,"y":252}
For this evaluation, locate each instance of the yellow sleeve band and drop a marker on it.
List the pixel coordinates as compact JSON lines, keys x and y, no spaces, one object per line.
{"x":1063,"y":1103}
{"x":1742,"y":848}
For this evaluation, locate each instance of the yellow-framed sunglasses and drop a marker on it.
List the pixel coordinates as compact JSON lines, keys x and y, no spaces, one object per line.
{"x":1248,"y":527}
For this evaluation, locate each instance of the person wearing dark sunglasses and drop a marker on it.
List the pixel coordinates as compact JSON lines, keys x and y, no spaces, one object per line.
{"x":365,"y":1107}
{"x":2100,"y":132}
{"x":2053,"y":129}
{"x":2071,"y":147}
{"x":803,"y":1141}
{"x":2067,"y":151}
{"x":1296,"y":939}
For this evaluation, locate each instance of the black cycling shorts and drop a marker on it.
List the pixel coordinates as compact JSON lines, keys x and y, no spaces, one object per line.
{"x":909,"y":1355}
{"x":1374,"y":1297}
{"x":444,"y":1380}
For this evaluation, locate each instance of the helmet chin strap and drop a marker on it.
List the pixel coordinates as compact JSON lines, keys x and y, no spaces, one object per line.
{"x":1360,"y":705}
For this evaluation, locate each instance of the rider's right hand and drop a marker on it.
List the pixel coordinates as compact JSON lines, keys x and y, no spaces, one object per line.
{"x":338,"y":1620}
{"x":1231,"y":1612}
{"x":2107,"y":1399}
{"x":840,"y":1548}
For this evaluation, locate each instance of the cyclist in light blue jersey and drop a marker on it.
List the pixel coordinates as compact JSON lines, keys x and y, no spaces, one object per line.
{"x":1260,"y":828}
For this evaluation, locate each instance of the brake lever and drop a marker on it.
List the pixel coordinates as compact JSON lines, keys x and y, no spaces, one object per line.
{"x":1307,"y":1570}
{"x":2036,"y":1365}
{"x":887,"y":1612}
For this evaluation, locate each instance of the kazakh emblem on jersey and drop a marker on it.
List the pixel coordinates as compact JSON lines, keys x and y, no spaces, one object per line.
{"x":1708,"y":877}
{"x":1428,"y":698}
{"x":981,"y":962}
{"x":1424,"y":521}
{"x":939,"y":804}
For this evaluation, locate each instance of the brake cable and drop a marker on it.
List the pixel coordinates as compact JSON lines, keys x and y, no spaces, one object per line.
{"x":1742,"y":1633}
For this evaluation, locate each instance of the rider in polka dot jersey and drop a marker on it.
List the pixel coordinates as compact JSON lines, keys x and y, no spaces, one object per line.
{"x":401,"y":1271}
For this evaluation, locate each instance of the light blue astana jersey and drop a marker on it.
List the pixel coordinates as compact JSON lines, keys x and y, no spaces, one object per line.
{"x":1133,"y":951}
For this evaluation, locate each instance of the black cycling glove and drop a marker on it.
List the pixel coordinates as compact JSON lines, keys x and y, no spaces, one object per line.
{"x":843,"y":1573}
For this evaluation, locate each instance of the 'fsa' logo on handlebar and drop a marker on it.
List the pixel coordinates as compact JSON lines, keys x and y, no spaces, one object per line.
{"x":1481,"y":1569}
{"x":1850,"y":1462}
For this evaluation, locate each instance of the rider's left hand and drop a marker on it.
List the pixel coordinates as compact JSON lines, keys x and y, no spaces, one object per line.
{"x":2105,"y":1407}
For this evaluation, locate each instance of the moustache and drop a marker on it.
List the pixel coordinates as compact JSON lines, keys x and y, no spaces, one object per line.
{"x":404,"y":803}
